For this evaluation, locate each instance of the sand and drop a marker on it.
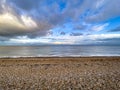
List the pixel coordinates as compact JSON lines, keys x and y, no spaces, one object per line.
{"x":82,"y":73}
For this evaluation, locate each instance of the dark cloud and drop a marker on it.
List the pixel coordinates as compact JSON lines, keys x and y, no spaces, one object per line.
{"x":110,"y":41}
{"x":25,"y":4}
{"x":6,"y":30}
{"x":4,"y":38}
{"x":79,"y":27}
{"x":62,"y":33}
{"x":115,"y":30}
{"x":76,"y":34}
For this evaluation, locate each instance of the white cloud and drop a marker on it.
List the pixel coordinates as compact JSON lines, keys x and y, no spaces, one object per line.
{"x":103,"y":36}
{"x":26,"y":40}
{"x":11,"y":25}
{"x":10,"y":20}
{"x":28,"y":22}
{"x":99,"y":27}
{"x":100,"y":3}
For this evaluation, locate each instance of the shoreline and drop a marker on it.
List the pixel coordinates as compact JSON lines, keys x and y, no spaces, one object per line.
{"x":17,"y":57}
{"x":59,"y":60}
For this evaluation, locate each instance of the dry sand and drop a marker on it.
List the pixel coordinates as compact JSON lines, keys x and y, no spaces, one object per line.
{"x":85,"y":73}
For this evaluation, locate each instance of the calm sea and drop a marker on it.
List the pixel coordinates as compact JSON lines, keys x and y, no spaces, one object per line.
{"x":58,"y":50}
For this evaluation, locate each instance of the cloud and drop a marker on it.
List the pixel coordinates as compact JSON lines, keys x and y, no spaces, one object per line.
{"x":13,"y":23}
{"x":48,"y":15}
{"x":117,"y":29}
{"x":96,"y":39}
{"x":11,"y":26}
{"x":99,"y":27}
{"x":25,"y":4}
{"x":43,"y":14}
{"x":76,"y":34}
{"x":2,"y":39}
{"x":79,"y":27}
{"x":109,"y":9}
{"x":62,"y":33}
{"x":28,"y":22}
{"x":36,"y":19}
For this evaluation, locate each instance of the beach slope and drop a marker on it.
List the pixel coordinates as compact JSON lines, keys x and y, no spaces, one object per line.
{"x":55,"y":73}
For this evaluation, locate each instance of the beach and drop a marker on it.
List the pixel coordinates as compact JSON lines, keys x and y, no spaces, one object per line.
{"x":60,"y":73}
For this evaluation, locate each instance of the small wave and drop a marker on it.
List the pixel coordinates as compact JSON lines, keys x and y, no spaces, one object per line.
{"x":59,"y":56}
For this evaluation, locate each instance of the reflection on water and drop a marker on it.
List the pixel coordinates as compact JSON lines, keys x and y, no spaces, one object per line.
{"x":60,"y":50}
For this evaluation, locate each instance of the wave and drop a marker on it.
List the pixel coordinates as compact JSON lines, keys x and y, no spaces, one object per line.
{"x":59,"y":56}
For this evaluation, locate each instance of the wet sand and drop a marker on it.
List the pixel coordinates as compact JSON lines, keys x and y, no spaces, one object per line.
{"x":82,"y":73}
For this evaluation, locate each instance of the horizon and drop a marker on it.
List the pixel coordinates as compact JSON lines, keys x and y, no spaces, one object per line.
{"x":59,"y":22}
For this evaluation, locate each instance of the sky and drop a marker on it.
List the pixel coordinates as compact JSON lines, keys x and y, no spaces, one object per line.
{"x":72,"y":22}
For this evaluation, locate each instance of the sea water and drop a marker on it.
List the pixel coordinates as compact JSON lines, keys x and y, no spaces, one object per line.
{"x":58,"y":51}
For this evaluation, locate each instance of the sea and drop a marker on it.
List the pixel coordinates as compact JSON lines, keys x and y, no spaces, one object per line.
{"x":58,"y":51}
